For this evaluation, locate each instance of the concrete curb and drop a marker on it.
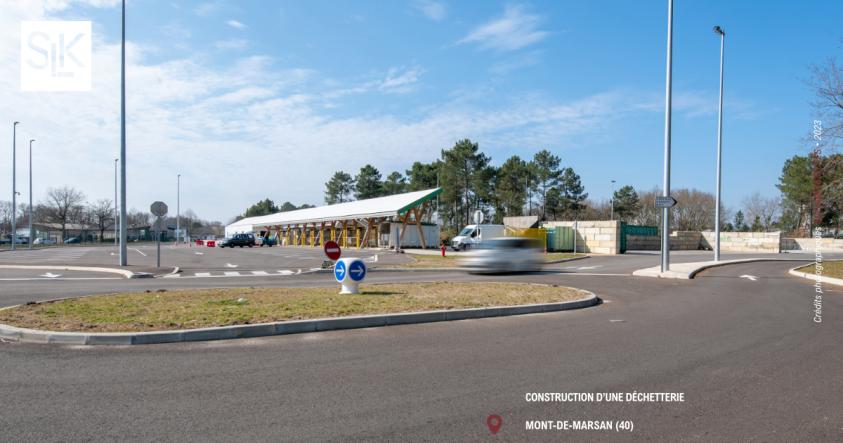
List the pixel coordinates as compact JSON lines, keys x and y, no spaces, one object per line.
{"x":694,"y":268}
{"x":814,"y":277}
{"x":175,"y":271}
{"x":23,"y":335}
{"x":124,"y":272}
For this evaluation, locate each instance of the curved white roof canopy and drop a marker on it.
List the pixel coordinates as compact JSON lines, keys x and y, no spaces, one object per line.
{"x":389,"y":206}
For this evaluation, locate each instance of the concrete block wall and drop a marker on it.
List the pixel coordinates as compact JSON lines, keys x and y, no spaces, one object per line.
{"x":643,"y":242}
{"x":599,"y":237}
{"x":745,"y":241}
{"x":685,"y":240}
{"x":810,"y":244}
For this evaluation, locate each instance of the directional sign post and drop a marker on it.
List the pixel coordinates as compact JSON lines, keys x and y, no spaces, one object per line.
{"x":158,"y":209}
{"x":665,"y":201}
{"x":349,"y":272}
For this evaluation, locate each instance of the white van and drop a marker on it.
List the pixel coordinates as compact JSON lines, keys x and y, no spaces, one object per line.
{"x":473,"y":235}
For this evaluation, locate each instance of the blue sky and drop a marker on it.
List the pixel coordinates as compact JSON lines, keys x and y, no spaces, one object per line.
{"x":291,"y":91}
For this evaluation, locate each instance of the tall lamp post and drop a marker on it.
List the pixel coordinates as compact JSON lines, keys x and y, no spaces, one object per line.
{"x":116,"y":211}
{"x":665,"y":258}
{"x":722,"y":33}
{"x":612,"y":213}
{"x":14,"y":189}
{"x":178,"y":209}
{"x":30,"y":196}
{"x":123,"y":228}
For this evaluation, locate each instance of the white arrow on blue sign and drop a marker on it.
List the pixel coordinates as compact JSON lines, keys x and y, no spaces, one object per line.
{"x":357,"y":270}
{"x":339,"y":271}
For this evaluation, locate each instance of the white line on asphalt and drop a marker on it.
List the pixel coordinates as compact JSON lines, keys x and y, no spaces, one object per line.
{"x":60,"y":278}
{"x":749,"y":277}
{"x":231,"y":273}
{"x":592,"y":273}
{"x":260,"y":273}
{"x":617,"y":321}
{"x":139,"y":252}
{"x":203,"y":274}
{"x":229,"y":265}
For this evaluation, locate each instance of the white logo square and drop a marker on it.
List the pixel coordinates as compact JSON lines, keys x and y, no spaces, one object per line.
{"x":55,"y":56}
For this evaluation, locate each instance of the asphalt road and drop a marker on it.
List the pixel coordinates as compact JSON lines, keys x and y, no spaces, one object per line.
{"x":752,"y":364}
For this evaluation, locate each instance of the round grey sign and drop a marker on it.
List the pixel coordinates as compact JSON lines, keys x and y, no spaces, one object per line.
{"x":158,"y":209}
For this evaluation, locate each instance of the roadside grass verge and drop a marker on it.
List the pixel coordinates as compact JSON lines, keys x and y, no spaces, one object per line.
{"x":833,"y":269}
{"x":450,"y":261}
{"x":200,"y":308}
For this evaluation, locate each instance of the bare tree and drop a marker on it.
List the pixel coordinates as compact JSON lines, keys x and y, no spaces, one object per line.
{"x":5,"y":218}
{"x":63,"y":206}
{"x":102,"y":215}
{"x":827,"y":81}
{"x":766,"y":209}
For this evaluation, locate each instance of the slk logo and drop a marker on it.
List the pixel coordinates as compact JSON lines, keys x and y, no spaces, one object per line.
{"x":55,"y":56}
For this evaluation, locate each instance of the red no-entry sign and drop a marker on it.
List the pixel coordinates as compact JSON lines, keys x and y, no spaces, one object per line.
{"x":332,"y":250}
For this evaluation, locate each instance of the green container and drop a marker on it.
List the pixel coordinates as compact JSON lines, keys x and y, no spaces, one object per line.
{"x":560,"y":238}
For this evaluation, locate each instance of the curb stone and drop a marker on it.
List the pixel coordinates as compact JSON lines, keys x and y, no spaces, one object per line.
{"x":701,"y":266}
{"x":813,"y":277}
{"x":23,"y":335}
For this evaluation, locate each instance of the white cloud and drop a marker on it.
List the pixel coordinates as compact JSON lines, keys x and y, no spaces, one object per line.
{"x":434,"y":10}
{"x":235,"y":24}
{"x":400,"y":80}
{"x":232,"y":44}
{"x":514,"y":30}
{"x":207,"y":8}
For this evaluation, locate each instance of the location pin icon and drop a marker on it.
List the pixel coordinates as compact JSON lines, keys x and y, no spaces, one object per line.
{"x":494,"y":422}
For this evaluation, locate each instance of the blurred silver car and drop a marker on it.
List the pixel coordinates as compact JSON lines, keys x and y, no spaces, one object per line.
{"x":505,"y":254}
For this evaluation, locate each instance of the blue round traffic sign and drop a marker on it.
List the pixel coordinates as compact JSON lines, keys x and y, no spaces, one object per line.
{"x":339,"y":271}
{"x":357,"y":270}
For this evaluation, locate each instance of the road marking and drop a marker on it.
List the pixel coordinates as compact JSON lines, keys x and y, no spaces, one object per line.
{"x":617,"y":321}
{"x":231,"y":273}
{"x":202,"y":274}
{"x":199,"y":253}
{"x":229,"y":265}
{"x":260,"y":273}
{"x":588,"y":267}
{"x":592,"y":273}
{"x":60,"y":278}
{"x":139,"y":252}
{"x":50,"y":275}
{"x":749,"y":277}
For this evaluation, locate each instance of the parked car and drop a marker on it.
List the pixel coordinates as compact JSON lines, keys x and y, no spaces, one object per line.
{"x":239,"y":240}
{"x":505,"y":254}
{"x":44,"y":241}
{"x":472,"y":236}
{"x":73,"y":240}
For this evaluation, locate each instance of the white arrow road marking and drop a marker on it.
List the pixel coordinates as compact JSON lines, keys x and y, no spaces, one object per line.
{"x":139,"y":252}
{"x":50,"y":275}
{"x":199,"y":253}
{"x":750,"y":277}
{"x":229,"y":265}
{"x":286,"y":272}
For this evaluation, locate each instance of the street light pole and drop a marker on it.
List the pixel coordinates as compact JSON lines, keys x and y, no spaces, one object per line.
{"x":116,"y":210}
{"x":14,"y":189}
{"x":123,"y":228}
{"x":178,"y":209}
{"x":612,"y":213}
{"x":665,"y":258}
{"x":719,"y":30}
{"x":30,"y":195}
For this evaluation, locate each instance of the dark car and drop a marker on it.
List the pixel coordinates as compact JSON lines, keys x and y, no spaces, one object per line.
{"x":72,"y":240}
{"x":238,"y":240}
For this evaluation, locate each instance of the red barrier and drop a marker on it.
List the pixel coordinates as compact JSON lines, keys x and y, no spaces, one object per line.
{"x":198,"y":242}
{"x":210,"y":243}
